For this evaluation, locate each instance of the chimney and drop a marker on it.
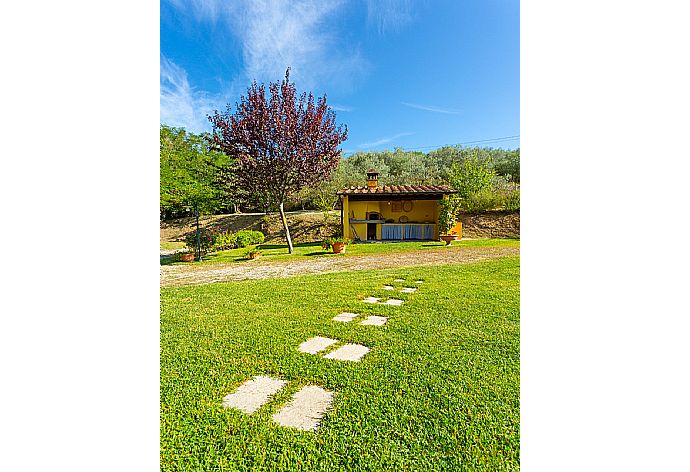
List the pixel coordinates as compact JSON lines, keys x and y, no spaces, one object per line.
{"x":372,"y":179}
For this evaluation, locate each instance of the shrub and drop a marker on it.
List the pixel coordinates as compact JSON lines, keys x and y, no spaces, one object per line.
{"x":210,"y":238}
{"x":483,"y":200}
{"x":246,"y":238}
{"x":512,"y":201}
{"x":447,"y":213}
{"x":219,"y":239}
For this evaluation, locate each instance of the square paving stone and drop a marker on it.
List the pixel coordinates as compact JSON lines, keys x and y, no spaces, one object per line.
{"x":252,"y":394}
{"x":348,"y":352}
{"x":374,"y":321}
{"x":399,"y":280}
{"x":371,"y":300}
{"x":316,"y":344}
{"x":388,"y":287}
{"x":306,"y":409}
{"x":419,"y":281}
{"x":408,"y":289}
{"x":393,"y":302}
{"x":345,"y":317}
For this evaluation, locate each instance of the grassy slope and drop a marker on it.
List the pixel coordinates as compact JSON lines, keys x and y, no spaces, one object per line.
{"x":438,"y":391}
{"x":278,"y":252}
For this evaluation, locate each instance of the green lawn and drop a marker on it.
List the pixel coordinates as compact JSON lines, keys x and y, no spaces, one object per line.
{"x":169,"y":245}
{"x":278,"y":252}
{"x":438,"y":391}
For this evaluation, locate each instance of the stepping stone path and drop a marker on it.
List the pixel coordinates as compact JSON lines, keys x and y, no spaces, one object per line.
{"x":316,"y":344}
{"x":393,"y":302}
{"x":306,"y":409}
{"x":345,"y":317}
{"x":348,"y":352}
{"x":252,"y":394}
{"x":419,"y":281}
{"x":308,"y":406}
{"x":374,"y":321}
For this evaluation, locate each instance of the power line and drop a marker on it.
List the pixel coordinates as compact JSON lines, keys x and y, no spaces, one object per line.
{"x":504,"y":138}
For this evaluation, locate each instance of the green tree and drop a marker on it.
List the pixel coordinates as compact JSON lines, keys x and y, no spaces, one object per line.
{"x":190,"y":174}
{"x":508,"y":165}
{"x":470,"y":177}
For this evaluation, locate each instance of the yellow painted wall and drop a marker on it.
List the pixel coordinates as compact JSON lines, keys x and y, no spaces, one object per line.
{"x":423,"y":211}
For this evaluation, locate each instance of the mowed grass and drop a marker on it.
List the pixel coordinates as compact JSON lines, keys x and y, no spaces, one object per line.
{"x":279,"y":252}
{"x":438,"y":391}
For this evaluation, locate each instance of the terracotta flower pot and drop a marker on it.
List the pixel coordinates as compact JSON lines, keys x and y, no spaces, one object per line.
{"x":449,"y":238}
{"x":338,"y":248}
{"x":187,"y":257}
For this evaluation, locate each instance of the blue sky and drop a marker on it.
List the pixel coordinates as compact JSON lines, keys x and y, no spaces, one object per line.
{"x":400,"y":73}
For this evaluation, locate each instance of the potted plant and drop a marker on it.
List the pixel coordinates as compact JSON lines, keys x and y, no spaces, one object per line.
{"x":253,"y":254}
{"x":187,"y":256}
{"x":446,"y":219}
{"x":337,"y":244}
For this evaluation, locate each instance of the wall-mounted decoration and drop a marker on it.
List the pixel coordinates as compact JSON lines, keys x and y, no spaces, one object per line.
{"x":396,"y":207}
{"x":407,"y":205}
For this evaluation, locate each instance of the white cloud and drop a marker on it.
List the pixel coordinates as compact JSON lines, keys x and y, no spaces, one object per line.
{"x":384,"y":140}
{"x":180,"y":104}
{"x":389,"y":14}
{"x":341,"y":107}
{"x":277,"y":34}
{"x":431,"y":108}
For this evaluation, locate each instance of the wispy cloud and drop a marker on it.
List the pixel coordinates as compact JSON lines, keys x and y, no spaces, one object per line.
{"x":277,"y":34}
{"x":389,"y":14}
{"x":341,"y":107}
{"x":431,"y":108}
{"x":381,"y":141}
{"x":180,"y":104}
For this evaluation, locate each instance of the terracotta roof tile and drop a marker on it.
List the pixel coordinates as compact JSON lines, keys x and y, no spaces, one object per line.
{"x":397,"y":189}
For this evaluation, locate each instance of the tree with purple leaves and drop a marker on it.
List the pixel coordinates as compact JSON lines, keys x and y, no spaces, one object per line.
{"x":281,"y":143}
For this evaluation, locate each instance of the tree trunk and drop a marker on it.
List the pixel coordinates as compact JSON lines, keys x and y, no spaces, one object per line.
{"x":287,"y":230}
{"x":198,"y":232}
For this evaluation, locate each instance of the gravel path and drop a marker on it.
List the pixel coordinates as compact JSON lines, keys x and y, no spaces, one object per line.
{"x":172,"y":275}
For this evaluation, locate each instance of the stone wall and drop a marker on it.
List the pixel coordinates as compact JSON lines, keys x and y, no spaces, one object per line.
{"x":491,"y":224}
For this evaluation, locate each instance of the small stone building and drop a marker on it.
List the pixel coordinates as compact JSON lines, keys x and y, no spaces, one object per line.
{"x":391,"y":212}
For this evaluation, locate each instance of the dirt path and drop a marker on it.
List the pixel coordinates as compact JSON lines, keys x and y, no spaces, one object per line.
{"x":172,"y":275}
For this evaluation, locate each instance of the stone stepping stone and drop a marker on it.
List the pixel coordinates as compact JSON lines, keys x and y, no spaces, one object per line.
{"x":306,"y":409}
{"x":399,"y":280}
{"x":348,"y":352}
{"x":419,"y":281}
{"x":388,"y":287}
{"x":316,"y":344}
{"x":345,"y":317}
{"x":393,"y":302}
{"x":408,"y":289}
{"x":371,"y":300}
{"x":374,"y":321}
{"x":252,"y":394}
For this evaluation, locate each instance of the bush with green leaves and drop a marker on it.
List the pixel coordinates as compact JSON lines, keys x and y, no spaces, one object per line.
{"x":448,"y":211}
{"x":247,"y":237}
{"x":329,"y":242}
{"x":211,"y":239}
{"x":216,"y":238}
{"x":483,"y":200}
{"x":512,"y":201}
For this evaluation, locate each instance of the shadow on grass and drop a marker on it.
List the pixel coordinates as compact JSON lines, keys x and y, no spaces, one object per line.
{"x":284,"y":246}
